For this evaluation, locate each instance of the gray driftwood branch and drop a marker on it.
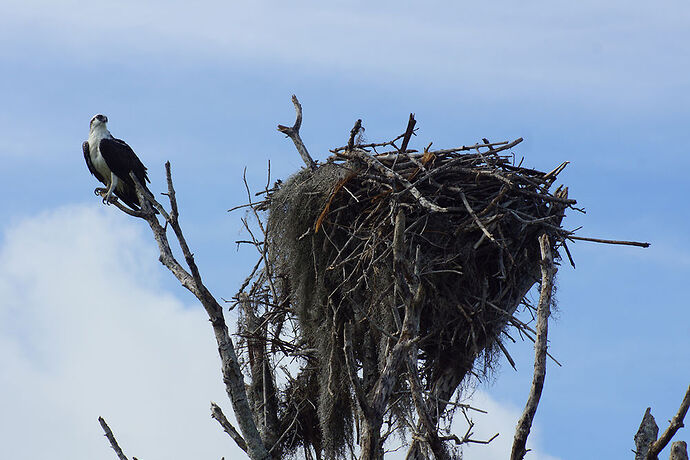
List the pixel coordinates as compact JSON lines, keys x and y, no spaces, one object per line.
{"x":548,"y":272}
{"x":190,"y":278}
{"x":293,"y":133}
{"x":217,"y":413}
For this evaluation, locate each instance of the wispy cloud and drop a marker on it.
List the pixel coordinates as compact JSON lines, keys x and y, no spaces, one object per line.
{"x":576,"y":48}
{"x":502,"y":419}
{"x":85,"y":332}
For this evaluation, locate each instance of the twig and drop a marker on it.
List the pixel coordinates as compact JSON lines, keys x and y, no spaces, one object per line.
{"x":459,"y":441}
{"x":389,"y":173}
{"x":556,"y":171}
{"x":111,"y":438}
{"x":218,"y":414}
{"x":543,"y":309}
{"x":372,"y":145}
{"x":599,"y":240}
{"x":505,"y":352}
{"x":476,"y":219}
{"x":293,"y":133}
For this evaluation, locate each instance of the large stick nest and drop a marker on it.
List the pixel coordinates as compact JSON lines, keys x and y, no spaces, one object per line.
{"x":471,"y":236}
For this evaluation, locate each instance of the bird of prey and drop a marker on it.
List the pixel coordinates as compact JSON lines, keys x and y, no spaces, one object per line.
{"x":111,"y":160}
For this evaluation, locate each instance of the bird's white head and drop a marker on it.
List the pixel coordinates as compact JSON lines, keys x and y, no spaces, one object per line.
{"x":98,"y":122}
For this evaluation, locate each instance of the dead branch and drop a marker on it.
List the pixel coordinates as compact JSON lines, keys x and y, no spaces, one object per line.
{"x":111,"y":438}
{"x":548,"y":272}
{"x":408,"y":133}
{"x":353,"y":133}
{"x":293,"y":133}
{"x":599,"y":240}
{"x":217,"y":413}
{"x":232,"y":373}
{"x":645,"y":435}
{"x":391,"y":174}
{"x":679,"y":451}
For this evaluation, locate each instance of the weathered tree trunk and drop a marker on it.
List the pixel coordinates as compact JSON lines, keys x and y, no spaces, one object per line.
{"x":679,"y":451}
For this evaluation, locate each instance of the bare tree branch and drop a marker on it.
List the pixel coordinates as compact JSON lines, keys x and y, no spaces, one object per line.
{"x":111,"y":438}
{"x":543,"y":309}
{"x":293,"y":133}
{"x":218,"y":414}
{"x":599,"y":240}
{"x":409,"y":131}
{"x":232,"y":373}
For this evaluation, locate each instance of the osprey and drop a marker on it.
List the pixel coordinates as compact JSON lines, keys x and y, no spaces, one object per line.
{"x":111,"y":161}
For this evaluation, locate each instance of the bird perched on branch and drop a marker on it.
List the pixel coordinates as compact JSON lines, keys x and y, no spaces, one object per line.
{"x":111,"y":160}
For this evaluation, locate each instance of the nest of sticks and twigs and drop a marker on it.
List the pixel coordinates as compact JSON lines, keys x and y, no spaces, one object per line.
{"x":383,"y":241}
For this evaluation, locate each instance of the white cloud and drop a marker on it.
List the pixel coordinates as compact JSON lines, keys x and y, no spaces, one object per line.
{"x":499,"y":418}
{"x":502,"y":419}
{"x":85,"y":330}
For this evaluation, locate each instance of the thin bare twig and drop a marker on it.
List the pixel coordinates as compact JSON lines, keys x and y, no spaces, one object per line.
{"x":599,"y":240}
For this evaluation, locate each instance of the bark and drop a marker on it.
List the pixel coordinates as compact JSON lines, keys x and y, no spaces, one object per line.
{"x":645,"y":435}
{"x":679,"y":451}
{"x":543,"y":310}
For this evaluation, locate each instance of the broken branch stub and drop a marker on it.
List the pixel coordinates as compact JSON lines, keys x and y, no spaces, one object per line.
{"x":293,"y":133}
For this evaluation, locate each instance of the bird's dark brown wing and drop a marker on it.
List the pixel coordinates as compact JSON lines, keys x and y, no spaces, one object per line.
{"x":122,"y":160}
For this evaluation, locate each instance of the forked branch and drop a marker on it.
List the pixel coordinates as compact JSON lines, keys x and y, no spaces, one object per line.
{"x":293,"y":133}
{"x":190,"y":278}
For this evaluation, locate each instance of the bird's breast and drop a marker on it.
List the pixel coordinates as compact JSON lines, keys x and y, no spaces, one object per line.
{"x":97,"y":159}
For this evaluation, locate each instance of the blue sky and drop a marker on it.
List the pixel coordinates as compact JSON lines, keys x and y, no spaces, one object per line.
{"x":83,"y":298}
